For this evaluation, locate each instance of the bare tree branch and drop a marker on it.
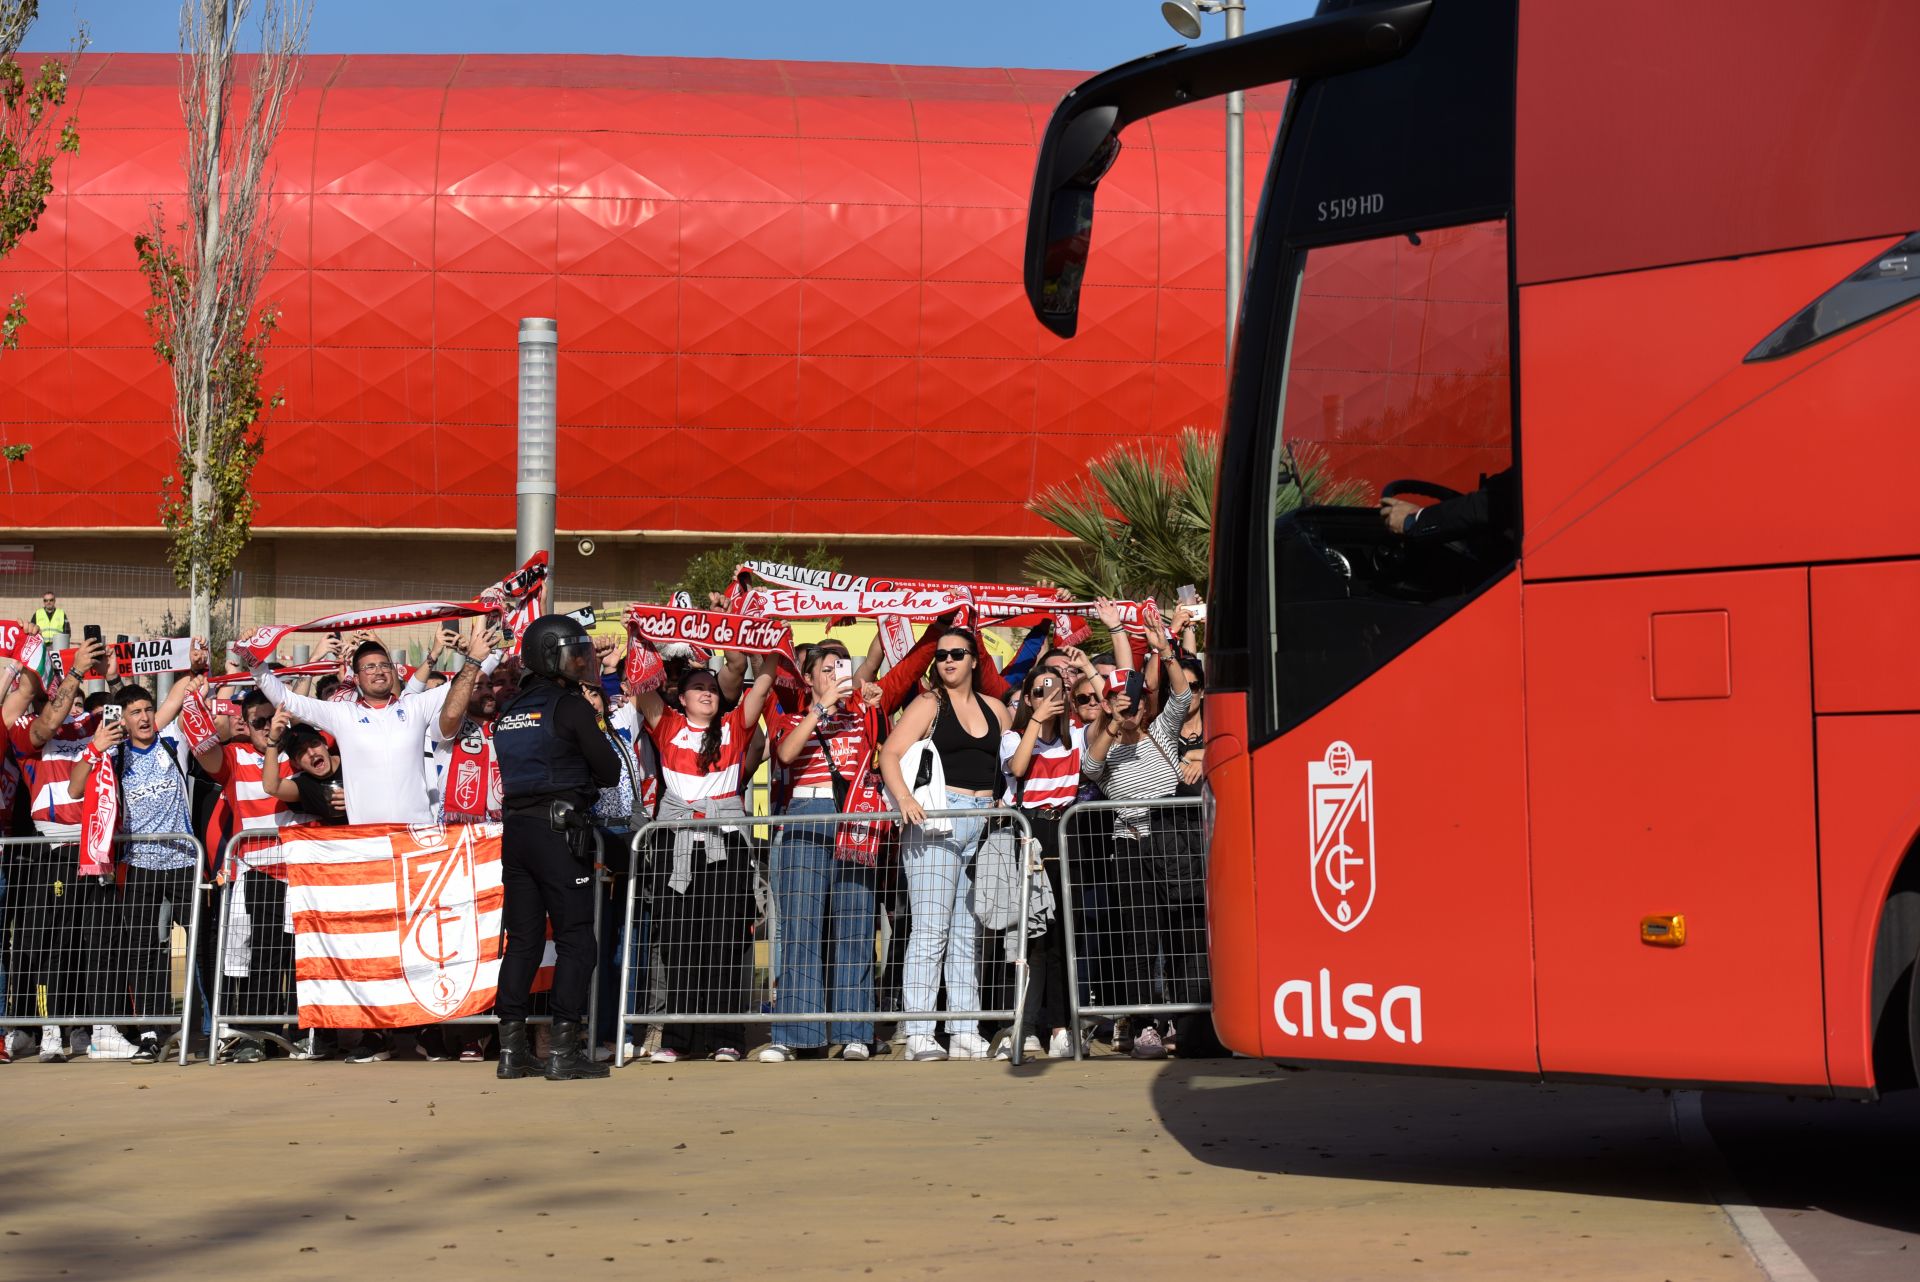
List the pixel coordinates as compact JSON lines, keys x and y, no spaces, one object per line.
{"x":206,"y":289}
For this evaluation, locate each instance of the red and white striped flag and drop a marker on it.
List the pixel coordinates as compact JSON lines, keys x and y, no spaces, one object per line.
{"x":394,"y":926}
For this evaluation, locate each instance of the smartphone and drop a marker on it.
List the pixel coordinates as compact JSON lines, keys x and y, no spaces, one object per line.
{"x":92,"y":633}
{"x":843,"y":671}
{"x":110,"y":712}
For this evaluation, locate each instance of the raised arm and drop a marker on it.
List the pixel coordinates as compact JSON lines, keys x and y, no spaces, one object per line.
{"x":327,"y":715}
{"x":870,"y":666}
{"x":1109,"y":615}
{"x":109,"y":736}
{"x":60,"y":700}
{"x":733,"y":675}
{"x":169,"y":709}
{"x":754,"y":701}
{"x":478,"y":658}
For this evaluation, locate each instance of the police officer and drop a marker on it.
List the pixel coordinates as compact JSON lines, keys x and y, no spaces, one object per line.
{"x":554,"y":758}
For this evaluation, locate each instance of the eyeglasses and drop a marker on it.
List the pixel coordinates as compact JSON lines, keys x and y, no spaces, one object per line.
{"x":365,"y":668}
{"x":952,"y":656}
{"x":1082,"y":700}
{"x":1060,"y":670}
{"x":260,"y":723}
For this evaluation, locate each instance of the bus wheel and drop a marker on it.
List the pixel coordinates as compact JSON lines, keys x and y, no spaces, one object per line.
{"x":1913,"y":1013}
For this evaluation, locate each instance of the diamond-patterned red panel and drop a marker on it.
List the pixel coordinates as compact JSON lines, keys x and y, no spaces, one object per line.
{"x":789,"y":296}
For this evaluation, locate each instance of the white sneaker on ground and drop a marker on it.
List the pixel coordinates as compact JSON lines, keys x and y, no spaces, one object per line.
{"x":922,"y":1047}
{"x":726,"y":1055}
{"x":1147,"y":1044}
{"x":52,"y":1051}
{"x":856,"y":1050}
{"x":1060,"y":1046}
{"x":109,"y":1043}
{"x":775,"y":1054}
{"x":665,"y":1055}
{"x":20,"y":1044}
{"x":966,"y":1046}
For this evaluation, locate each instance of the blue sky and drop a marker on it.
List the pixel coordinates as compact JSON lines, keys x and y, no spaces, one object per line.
{"x":1079,"y":34}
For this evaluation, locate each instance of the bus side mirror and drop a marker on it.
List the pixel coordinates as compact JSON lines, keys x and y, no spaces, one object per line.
{"x":1075,"y":161}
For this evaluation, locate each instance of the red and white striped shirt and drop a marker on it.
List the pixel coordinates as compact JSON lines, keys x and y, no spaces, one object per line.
{"x":680,"y":768}
{"x":1053,"y":776}
{"x":253,"y":808}
{"x":48,"y":769}
{"x":843,"y":728}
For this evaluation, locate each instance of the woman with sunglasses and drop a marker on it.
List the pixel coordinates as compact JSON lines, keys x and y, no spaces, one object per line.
{"x":1157,"y":907}
{"x":1041,"y":756}
{"x":965,"y":728}
{"x":702,"y":881}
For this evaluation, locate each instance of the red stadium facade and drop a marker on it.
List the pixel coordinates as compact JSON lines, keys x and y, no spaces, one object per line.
{"x":788,"y":295}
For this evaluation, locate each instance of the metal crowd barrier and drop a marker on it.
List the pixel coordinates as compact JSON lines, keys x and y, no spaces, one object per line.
{"x":1138,"y":909}
{"x":713,"y":956}
{"x":99,"y":954}
{"x":256,"y":962}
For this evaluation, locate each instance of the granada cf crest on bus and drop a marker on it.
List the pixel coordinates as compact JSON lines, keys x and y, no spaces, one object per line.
{"x":1340,"y":803}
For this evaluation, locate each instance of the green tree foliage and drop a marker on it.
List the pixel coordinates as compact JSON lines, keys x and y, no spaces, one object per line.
{"x":35,"y":130}
{"x":713,"y":569}
{"x":213,"y":537}
{"x":1141,"y":521}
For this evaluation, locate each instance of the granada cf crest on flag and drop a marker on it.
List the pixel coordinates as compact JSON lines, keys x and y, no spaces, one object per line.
{"x":1340,"y":804}
{"x":440,"y":929}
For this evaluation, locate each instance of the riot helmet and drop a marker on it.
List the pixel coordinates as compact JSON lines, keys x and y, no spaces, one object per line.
{"x":556,"y":646}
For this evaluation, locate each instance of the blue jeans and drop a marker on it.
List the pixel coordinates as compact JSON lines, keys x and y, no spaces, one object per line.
{"x":826,"y":915}
{"x":945,"y":933}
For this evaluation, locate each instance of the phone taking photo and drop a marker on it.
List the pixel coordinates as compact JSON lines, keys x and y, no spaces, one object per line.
{"x":110,"y":712}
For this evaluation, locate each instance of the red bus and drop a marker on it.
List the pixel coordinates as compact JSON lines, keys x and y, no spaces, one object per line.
{"x":1606,"y":766}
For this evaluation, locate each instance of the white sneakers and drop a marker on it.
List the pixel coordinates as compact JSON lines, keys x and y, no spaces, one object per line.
{"x":109,"y":1043}
{"x":1061,"y":1044}
{"x":775,"y":1054}
{"x":52,"y":1050}
{"x":1030,"y":1048}
{"x":856,"y":1050}
{"x":665,"y":1055}
{"x":966,"y":1046}
{"x":920,"y":1047}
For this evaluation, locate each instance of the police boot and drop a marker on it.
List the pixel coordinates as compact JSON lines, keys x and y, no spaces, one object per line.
{"x":569,"y":1060}
{"x":516,"y":1052}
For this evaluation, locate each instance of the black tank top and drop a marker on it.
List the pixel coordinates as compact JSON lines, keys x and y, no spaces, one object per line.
{"x":971,"y":764}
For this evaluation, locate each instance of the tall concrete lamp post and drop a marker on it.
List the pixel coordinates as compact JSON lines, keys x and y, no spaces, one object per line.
{"x":537,"y":485}
{"x":1184,"y":16}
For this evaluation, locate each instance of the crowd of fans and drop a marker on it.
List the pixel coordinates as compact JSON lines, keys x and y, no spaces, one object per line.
{"x":957,"y":740}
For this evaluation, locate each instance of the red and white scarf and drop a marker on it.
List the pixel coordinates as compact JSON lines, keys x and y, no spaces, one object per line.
{"x":507,"y":597}
{"x":472,"y":789}
{"x":100,"y":813}
{"x":651,"y":626}
{"x":800,"y":593}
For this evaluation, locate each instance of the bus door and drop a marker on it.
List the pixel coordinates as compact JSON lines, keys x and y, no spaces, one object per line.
{"x":1390,"y":796}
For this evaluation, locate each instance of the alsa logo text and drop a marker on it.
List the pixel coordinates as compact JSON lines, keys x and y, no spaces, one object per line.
{"x":1358,"y":1019}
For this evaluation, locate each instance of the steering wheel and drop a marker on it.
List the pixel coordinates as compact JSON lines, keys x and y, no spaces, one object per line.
{"x":1425,"y":489}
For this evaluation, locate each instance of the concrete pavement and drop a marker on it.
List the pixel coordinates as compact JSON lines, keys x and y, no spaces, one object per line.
{"x":1210,"y":1168}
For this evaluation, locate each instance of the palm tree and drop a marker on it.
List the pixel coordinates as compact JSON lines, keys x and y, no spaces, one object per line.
{"x":1144,"y":525}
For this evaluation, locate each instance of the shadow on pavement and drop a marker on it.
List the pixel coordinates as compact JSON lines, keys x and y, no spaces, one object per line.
{"x":1848,"y":1159}
{"x":1588,"y":1140}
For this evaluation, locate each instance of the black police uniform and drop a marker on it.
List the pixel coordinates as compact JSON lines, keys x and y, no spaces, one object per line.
{"x":550,"y":747}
